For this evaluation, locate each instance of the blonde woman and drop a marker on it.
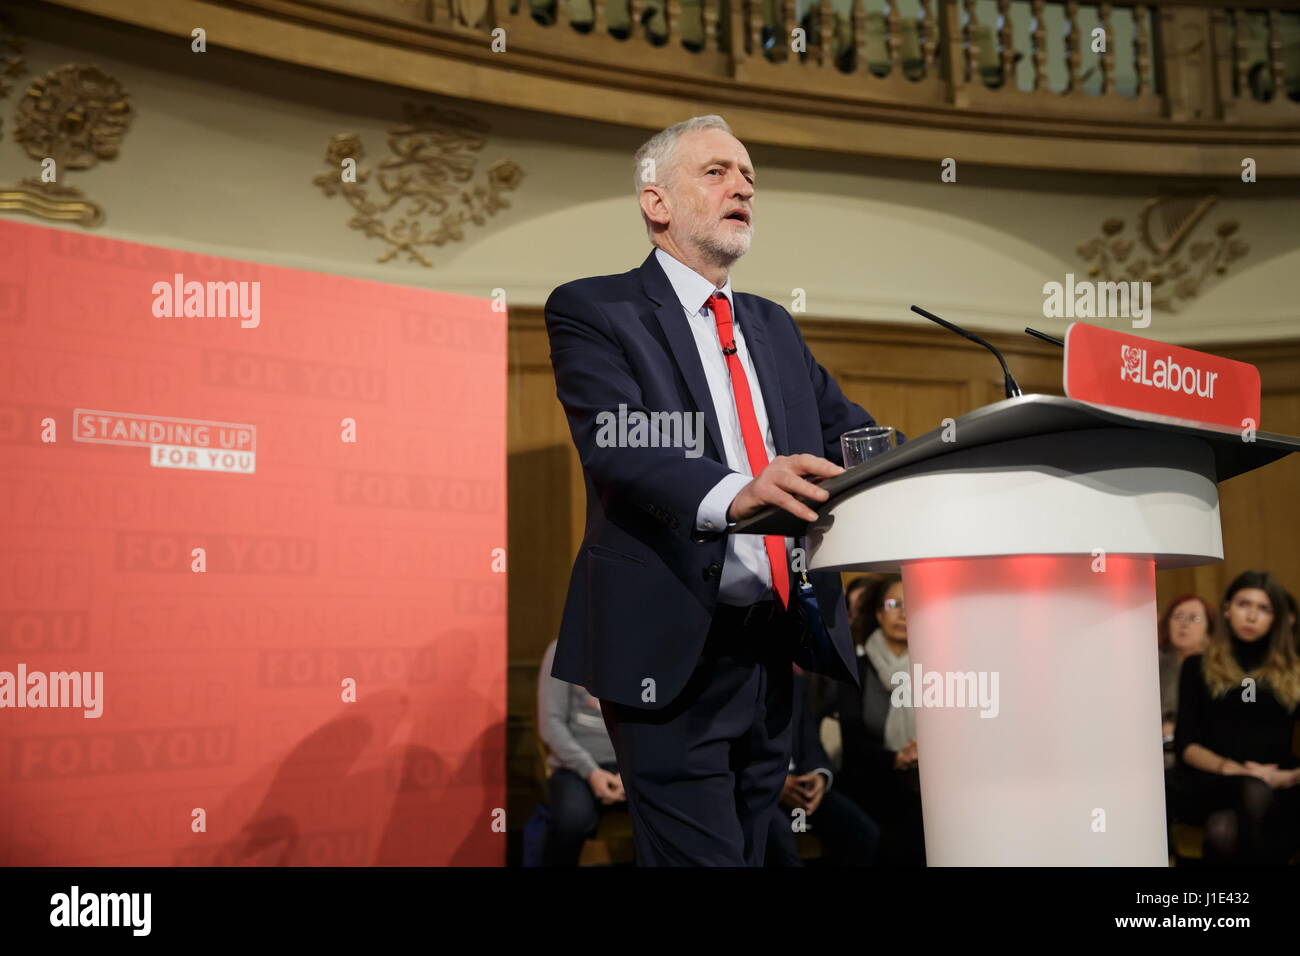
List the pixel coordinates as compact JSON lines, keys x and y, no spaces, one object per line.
{"x":1237,"y":704}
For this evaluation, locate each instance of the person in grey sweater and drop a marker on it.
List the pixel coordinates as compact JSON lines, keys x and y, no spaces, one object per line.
{"x":585,"y":781}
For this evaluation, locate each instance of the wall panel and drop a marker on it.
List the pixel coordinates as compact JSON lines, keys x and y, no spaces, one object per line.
{"x":908,"y":377}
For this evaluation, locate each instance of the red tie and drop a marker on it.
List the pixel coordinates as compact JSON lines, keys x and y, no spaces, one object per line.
{"x":755,"y":450}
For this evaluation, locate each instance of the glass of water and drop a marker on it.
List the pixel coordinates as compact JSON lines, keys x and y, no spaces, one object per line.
{"x":864,"y":443}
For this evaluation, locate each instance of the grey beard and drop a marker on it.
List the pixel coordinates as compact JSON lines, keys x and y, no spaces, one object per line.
{"x":724,"y":250}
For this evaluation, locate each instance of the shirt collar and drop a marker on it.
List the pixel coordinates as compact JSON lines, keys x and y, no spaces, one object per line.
{"x":693,"y":290}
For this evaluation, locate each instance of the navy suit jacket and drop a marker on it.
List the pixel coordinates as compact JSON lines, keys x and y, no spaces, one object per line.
{"x":645,"y":581}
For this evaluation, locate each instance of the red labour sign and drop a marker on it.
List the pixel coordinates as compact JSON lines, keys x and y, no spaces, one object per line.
{"x":1112,"y":368}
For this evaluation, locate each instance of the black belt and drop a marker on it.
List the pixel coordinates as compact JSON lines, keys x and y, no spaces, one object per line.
{"x":759,"y":616}
{"x":748,"y":634}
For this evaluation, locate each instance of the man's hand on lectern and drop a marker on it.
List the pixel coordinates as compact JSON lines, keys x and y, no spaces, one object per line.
{"x":779,"y":482}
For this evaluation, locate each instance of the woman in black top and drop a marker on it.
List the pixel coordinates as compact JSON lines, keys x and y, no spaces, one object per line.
{"x":1237,"y":706}
{"x":879,"y":762}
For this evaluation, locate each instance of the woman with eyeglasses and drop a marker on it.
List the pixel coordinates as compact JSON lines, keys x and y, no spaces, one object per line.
{"x":879,"y":768}
{"x":1237,"y":707}
{"x":1185,"y":629}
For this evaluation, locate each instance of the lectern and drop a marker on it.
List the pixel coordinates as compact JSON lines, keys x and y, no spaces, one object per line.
{"x":1028,"y":533}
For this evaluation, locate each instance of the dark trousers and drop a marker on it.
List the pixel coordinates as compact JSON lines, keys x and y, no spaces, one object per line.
{"x":703,"y":773}
{"x":848,"y":836}
{"x":575,"y":813}
{"x":1247,"y":823}
{"x":892,"y":798}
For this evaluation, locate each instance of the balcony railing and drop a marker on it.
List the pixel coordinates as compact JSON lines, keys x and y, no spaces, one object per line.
{"x":1180,"y":62}
{"x":1181,"y":87}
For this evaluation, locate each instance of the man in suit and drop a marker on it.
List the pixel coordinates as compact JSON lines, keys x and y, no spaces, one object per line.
{"x":684,"y":633}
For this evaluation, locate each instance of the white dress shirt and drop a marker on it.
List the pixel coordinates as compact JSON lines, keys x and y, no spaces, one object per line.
{"x":746,"y":571}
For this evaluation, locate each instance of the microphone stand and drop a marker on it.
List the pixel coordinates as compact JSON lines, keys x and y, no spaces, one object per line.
{"x":1009,"y":384}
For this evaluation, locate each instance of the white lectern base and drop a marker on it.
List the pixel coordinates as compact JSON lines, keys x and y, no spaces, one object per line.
{"x":1070,"y":770}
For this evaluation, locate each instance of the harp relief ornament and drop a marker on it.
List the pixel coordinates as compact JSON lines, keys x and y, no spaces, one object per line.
{"x":1172,"y":247}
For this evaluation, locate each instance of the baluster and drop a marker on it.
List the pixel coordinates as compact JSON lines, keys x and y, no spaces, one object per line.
{"x":1108,"y":56}
{"x":825,"y":25}
{"x":1275,"y":53}
{"x":754,"y":26}
{"x":633,"y":18}
{"x":859,"y":15}
{"x":1006,"y":43}
{"x":734,"y":32}
{"x":1038,"y":38}
{"x":1239,"y":53}
{"x":1072,"y":46}
{"x":1140,"y":15}
{"x":929,"y":37}
{"x":972,"y":44}
{"x":893,"y":37}
{"x":673,"y":22}
{"x":789,"y":20}
{"x":709,"y":19}
{"x":599,"y":23}
{"x":954,"y":54}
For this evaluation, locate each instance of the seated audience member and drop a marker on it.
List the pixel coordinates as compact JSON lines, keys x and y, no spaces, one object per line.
{"x":879,"y":759}
{"x":1185,"y":629}
{"x":1291,"y":617}
{"x":855,"y":591}
{"x":848,"y":836}
{"x":585,"y":782}
{"x":1236,"y":716}
{"x":822,"y":688}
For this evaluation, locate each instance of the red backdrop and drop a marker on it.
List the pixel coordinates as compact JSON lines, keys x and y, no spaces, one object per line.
{"x":182,"y":509}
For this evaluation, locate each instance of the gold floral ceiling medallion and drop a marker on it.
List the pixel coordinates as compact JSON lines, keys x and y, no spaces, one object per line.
{"x":70,"y":118}
{"x":1177,"y":265}
{"x":416,"y":200}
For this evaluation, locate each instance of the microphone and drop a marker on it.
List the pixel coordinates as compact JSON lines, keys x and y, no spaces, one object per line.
{"x":1045,"y":337}
{"x":1009,"y":383}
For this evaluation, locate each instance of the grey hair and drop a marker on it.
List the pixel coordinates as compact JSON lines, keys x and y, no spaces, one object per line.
{"x":659,"y":153}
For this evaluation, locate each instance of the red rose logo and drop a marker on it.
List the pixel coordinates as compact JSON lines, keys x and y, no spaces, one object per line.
{"x":1132,"y":357}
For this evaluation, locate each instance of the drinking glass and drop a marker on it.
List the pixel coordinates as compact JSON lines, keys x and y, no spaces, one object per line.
{"x":864,"y":443}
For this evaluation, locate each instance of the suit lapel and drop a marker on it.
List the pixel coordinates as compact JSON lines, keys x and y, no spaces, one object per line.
{"x":677,"y":332}
{"x":760,"y":352}
{"x":672,"y":319}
